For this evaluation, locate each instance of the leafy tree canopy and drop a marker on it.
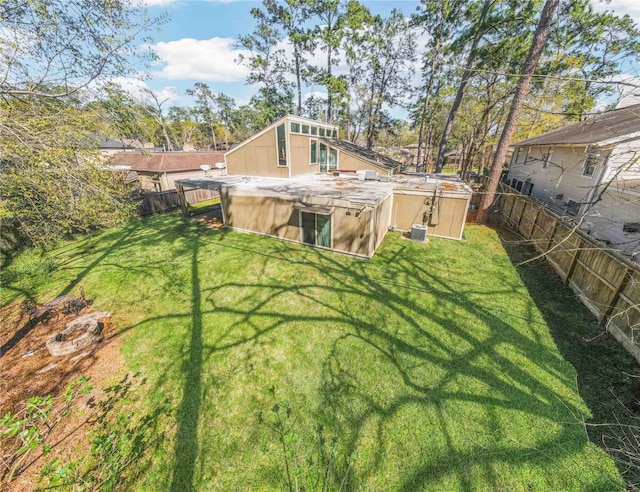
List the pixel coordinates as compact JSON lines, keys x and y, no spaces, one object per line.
{"x":52,"y":52}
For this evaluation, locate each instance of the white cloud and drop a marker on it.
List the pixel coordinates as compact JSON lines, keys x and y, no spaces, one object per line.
{"x":157,"y":3}
{"x":620,"y":7}
{"x":207,"y":59}
{"x":137,"y":88}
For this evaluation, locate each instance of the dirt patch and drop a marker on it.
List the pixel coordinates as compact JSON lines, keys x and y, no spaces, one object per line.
{"x":27,"y":369}
{"x":212,"y":219}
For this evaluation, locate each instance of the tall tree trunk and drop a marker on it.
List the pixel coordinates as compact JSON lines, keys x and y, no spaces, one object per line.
{"x":537,"y":46}
{"x":428,"y":148}
{"x":329,"y":94}
{"x":427,"y":100}
{"x":213,"y":137}
{"x":466,"y":75}
{"x":296,"y":57}
{"x":420,"y":139}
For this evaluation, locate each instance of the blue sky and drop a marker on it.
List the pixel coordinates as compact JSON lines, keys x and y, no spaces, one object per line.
{"x":197,"y":43}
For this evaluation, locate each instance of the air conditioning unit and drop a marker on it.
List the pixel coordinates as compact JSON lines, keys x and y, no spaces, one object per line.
{"x":418,"y":232}
{"x":370,"y":175}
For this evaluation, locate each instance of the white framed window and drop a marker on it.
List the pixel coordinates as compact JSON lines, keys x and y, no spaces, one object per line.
{"x":589,"y":165}
{"x":333,"y":158}
{"x":281,"y":146}
{"x":295,"y":127}
{"x":316,"y":229}
{"x":313,"y":151}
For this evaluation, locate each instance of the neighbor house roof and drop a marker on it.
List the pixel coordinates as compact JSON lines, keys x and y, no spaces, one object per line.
{"x":111,"y":143}
{"x":607,"y":127}
{"x":362,"y":153}
{"x":167,"y":161}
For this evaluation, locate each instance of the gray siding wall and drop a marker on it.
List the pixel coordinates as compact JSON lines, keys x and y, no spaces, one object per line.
{"x":563,"y":174}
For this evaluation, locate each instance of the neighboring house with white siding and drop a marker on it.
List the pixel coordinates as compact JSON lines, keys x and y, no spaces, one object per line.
{"x":590,"y":171}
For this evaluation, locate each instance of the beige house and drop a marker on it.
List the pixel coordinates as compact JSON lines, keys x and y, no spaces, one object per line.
{"x":588,"y":171}
{"x":298,"y":182}
{"x":343,"y":213}
{"x":293,"y":146}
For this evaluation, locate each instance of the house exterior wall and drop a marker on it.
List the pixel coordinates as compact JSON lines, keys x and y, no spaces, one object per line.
{"x":300,"y":155}
{"x":257,"y":158}
{"x":382,"y":220}
{"x":624,"y":162}
{"x":446,"y":220}
{"x":166,"y":181}
{"x":351,"y":233}
{"x":278,"y":218}
{"x":558,"y":181}
{"x":606,"y":219}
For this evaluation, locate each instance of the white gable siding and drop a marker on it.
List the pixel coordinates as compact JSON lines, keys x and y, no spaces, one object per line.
{"x":605,"y":219}
{"x":562,"y":179}
{"x":624,"y":162}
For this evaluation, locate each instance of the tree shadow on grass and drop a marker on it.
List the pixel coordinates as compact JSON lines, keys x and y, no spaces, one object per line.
{"x":606,"y":372}
{"x":468,"y":368}
{"x":390,"y":354}
{"x":458,"y":358}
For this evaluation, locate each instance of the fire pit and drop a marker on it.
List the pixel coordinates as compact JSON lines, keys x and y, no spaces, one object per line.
{"x":79,"y":333}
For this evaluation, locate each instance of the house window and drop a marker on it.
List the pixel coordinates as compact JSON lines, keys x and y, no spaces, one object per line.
{"x":516,"y":184}
{"x":631,"y":227}
{"x":333,"y":158}
{"x":281,"y":144}
{"x":295,"y":127}
{"x":572,"y":207}
{"x":305,"y":129}
{"x":323,"y":158}
{"x":527,"y":188}
{"x":313,"y":151}
{"x":316,"y":229}
{"x":335,"y":134}
{"x":322,"y":132}
{"x":546,"y":158}
{"x":314,"y":130}
{"x":589,"y":165}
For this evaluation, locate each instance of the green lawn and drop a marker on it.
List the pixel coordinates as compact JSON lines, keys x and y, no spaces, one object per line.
{"x":282,"y":366}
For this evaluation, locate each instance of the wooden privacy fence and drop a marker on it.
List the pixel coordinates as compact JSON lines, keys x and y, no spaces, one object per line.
{"x":606,"y":283}
{"x":161,"y":201}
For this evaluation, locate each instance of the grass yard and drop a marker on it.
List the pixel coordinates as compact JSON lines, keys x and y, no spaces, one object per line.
{"x":272,"y":366}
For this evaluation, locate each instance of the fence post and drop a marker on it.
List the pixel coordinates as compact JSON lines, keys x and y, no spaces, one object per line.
{"x":623,"y":283}
{"x":553,"y":232}
{"x":524,"y":205}
{"x":572,"y":266}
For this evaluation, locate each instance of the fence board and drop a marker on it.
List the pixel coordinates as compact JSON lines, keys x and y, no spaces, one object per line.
{"x":607,"y":284}
{"x":528,"y":219}
{"x":163,"y":201}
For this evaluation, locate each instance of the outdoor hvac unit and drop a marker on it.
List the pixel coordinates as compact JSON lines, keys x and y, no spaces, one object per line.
{"x":418,"y":232}
{"x":370,"y":175}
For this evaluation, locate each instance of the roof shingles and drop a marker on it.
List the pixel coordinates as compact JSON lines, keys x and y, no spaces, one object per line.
{"x":167,"y":161}
{"x":370,"y":156}
{"x":610,"y":125}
